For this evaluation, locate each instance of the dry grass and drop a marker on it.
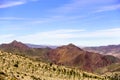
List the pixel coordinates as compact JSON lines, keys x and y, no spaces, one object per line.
{"x":15,"y":67}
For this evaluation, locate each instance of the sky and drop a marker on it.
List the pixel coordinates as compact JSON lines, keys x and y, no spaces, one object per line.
{"x":59,"y":22}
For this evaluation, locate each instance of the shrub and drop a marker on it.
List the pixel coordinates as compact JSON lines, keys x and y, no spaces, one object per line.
{"x":16,"y":64}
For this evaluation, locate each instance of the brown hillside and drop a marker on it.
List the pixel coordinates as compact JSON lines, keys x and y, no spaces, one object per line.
{"x":20,"y":48}
{"x":15,"y":45}
{"x":71,"y":55}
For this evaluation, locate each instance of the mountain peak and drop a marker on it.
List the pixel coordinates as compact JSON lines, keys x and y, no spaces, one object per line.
{"x":19,"y":44}
{"x":71,"y":55}
{"x":14,"y":41}
{"x":16,"y":44}
{"x":71,"y":44}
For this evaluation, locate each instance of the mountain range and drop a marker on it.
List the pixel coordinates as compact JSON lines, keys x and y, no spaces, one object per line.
{"x":66,"y":55}
{"x":71,"y":55}
{"x":113,"y":50}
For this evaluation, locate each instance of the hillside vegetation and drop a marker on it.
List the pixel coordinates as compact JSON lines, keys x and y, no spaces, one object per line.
{"x":108,"y":69}
{"x":20,"y":62}
{"x":15,"y":67}
{"x":69,"y":55}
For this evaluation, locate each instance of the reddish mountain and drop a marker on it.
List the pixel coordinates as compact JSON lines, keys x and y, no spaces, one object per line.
{"x":106,"y":50}
{"x":15,"y":45}
{"x":71,"y":55}
{"x":20,"y":48}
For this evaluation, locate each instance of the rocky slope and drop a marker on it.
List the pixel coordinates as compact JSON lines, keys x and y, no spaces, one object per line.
{"x":71,"y":55}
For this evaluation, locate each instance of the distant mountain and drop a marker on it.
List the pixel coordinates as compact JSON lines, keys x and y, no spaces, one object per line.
{"x":68,"y":55}
{"x":106,"y":50}
{"x":20,"y":48}
{"x":71,"y":55}
{"x":41,"y":46}
{"x":15,"y":45}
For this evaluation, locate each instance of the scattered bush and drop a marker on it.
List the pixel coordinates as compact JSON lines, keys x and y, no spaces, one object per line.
{"x":16,"y":64}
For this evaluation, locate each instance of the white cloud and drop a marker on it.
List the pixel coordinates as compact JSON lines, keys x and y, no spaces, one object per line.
{"x":108,"y":33}
{"x":109,"y":8}
{"x":76,"y":5}
{"x":11,"y":3}
{"x":56,"y":34}
{"x":65,"y":36}
{"x":12,"y":18}
{"x":111,"y":30}
{"x":13,"y":28}
{"x":73,"y":34}
{"x":55,"y":19}
{"x":6,"y":38}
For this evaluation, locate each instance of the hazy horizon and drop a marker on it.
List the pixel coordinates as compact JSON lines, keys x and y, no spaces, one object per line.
{"x":51,"y":22}
{"x":57,"y":45}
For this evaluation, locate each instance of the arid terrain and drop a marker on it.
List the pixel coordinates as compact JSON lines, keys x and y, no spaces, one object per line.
{"x":67,"y":62}
{"x":106,"y":50}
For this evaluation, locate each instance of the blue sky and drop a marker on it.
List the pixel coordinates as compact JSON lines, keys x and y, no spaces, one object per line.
{"x":58,"y":22}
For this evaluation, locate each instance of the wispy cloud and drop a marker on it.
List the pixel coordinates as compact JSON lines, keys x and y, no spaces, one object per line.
{"x":13,"y":28}
{"x":74,"y":33}
{"x":49,"y":37}
{"x":56,"y":34}
{"x":107,"y":33}
{"x":76,"y":5}
{"x":11,"y":3}
{"x":6,"y":38}
{"x":12,"y":18}
{"x":109,"y":8}
{"x":82,"y":8}
{"x":79,"y":37}
{"x":55,"y":18}
{"x":64,"y":36}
